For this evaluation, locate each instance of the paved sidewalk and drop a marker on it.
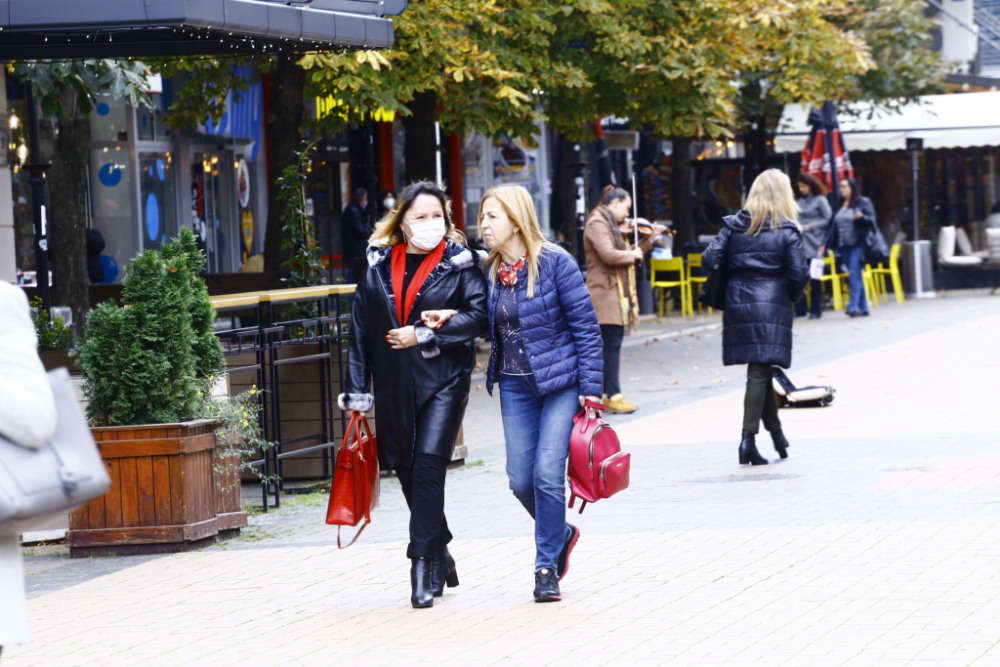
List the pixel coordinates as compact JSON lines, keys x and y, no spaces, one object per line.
{"x":876,"y":543}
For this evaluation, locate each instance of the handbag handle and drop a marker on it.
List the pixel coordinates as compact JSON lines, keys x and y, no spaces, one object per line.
{"x":355,"y":446}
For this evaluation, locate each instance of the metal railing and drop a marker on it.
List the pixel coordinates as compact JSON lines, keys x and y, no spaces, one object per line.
{"x":323,"y":328}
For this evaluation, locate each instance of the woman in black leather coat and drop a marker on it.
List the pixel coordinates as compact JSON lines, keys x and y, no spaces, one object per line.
{"x":761,"y":248}
{"x":418,"y":266}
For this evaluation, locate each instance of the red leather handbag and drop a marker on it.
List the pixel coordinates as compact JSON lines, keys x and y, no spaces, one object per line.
{"x":355,"y":490}
{"x":598,"y":468}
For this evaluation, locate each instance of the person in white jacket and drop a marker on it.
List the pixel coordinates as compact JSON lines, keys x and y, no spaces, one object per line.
{"x":27,"y":418}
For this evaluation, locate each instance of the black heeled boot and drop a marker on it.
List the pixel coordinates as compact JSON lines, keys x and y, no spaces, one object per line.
{"x":780,"y":443}
{"x":444,"y":572}
{"x":748,"y":451}
{"x":421,"y":578}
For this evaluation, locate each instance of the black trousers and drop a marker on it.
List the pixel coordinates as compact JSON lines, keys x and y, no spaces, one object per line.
{"x":759,"y":402}
{"x":816,"y":309}
{"x":423,"y":488}
{"x":613,"y":336}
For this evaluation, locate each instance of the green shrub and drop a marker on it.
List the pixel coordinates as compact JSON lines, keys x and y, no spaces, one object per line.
{"x":150,"y":360}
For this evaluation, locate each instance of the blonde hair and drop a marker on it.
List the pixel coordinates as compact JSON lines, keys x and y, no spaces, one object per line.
{"x":520,"y":208}
{"x":387,"y":230}
{"x":771,"y":198}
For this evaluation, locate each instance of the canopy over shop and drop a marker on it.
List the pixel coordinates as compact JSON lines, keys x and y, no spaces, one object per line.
{"x":959,"y":165}
{"x":65,"y":29}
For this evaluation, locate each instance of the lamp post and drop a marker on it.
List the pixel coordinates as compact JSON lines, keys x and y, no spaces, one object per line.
{"x":37,"y":181}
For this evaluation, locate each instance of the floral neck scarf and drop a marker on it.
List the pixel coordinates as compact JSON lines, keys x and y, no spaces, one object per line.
{"x":508,"y":272}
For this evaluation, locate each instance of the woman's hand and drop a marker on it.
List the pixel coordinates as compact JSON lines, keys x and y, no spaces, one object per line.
{"x":435,"y":319}
{"x":400,"y":339}
{"x":638,"y":254}
{"x":592,"y":399}
{"x":822,"y":251}
{"x":858,"y":214}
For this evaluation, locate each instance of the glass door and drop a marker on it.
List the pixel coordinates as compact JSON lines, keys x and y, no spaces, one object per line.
{"x":214,"y":205}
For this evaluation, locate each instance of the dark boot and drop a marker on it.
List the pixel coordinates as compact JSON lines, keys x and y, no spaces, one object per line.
{"x":748,"y":451}
{"x":780,"y":443}
{"x":421,"y":577}
{"x":444,"y":573}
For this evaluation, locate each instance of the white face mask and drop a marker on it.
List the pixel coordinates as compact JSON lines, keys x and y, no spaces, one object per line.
{"x":427,"y":235}
{"x":388,"y":203}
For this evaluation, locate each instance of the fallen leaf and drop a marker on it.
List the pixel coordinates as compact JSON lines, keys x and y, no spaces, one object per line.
{"x":716,"y":381}
{"x":696,"y":368}
{"x":634,"y":379}
{"x":479,"y":386}
{"x":671,"y":382}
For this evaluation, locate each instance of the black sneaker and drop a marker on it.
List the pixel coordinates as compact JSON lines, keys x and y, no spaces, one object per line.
{"x":547,"y":586}
{"x":574,"y":535}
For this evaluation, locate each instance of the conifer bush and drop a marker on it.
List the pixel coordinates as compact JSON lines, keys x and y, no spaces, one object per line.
{"x":152,"y":359}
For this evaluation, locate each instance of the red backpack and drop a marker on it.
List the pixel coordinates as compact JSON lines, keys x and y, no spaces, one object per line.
{"x":598,"y":468}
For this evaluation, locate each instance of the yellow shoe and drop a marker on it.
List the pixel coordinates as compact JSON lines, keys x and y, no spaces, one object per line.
{"x":617,"y":403}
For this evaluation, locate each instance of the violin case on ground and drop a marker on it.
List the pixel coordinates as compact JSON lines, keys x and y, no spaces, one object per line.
{"x":800,"y":397}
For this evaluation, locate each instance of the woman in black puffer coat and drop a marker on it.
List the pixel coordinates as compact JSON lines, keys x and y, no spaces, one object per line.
{"x":761,"y":249}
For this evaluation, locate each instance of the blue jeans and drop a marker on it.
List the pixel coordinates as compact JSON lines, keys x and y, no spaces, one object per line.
{"x":855,"y":265}
{"x":537,"y":430}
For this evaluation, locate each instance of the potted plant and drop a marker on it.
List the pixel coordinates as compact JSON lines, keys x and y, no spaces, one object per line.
{"x":148,"y":367}
{"x":55,"y":338}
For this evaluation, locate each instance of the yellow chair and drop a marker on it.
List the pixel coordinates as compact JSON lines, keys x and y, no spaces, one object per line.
{"x":871,"y":286}
{"x":675,"y":265}
{"x":834,"y":279}
{"x":694,"y":262}
{"x":880,"y":273}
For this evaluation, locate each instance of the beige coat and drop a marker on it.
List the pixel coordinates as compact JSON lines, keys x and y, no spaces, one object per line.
{"x":28,"y":418}
{"x":606,"y":250}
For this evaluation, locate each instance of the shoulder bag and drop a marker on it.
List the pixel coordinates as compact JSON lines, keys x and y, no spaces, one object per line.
{"x":64,"y":474}
{"x":355,"y":490}
{"x":598,"y":468}
{"x":713,"y":294}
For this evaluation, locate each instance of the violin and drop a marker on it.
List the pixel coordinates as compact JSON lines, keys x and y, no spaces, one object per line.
{"x":646,"y":228}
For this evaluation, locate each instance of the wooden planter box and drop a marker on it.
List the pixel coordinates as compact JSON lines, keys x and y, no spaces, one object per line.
{"x":164,"y":496}
{"x":54,"y":360}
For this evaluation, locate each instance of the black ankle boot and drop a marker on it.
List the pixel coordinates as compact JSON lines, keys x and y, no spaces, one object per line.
{"x":780,"y":443}
{"x":748,"y":451}
{"x":444,"y":573}
{"x":421,"y":576}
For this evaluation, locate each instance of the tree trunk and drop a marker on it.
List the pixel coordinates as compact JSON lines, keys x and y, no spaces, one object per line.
{"x":284,"y":122}
{"x":680,"y":193}
{"x":69,"y":154}
{"x":420,"y":149}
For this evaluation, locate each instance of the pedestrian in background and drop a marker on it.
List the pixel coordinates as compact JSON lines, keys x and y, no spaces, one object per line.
{"x":612,"y":283}
{"x":546,"y":358}
{"x":355,"y":231}
{"x":761,"y":247}
{"x":27,"y":418}
{"x":853,"y":216}
{"x":814,"y":218}
{"x":418,"y":265}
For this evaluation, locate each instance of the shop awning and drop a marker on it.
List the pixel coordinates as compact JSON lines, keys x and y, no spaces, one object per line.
{"x":942,"y":121}
{"x":65,"y":29}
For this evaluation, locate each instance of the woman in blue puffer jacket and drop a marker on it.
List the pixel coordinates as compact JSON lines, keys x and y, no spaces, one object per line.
{"x":547,"y":359}
{"x":761,"y":248}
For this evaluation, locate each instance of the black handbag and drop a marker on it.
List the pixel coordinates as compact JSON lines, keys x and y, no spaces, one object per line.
{"x":713,"y":294}
{"x":876,"y":249}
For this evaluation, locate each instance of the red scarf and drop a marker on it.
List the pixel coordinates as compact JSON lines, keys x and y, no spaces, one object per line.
{"x":508,"y":272}
{"x":431,"y":260}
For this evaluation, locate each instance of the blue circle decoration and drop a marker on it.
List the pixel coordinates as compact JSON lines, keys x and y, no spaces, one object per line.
{"x":110,"y":175}
{"x":145,"y":121}
{"x":163,"y":239}
{"x":103,"y":110}
{"x":110,"y":267}
{"x":152,"y":217}
{"x":151,"y":170}
{"x":160,"y":170}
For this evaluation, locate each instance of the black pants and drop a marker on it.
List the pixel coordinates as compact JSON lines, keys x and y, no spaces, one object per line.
{"x":759,"y":402}
{"x":613,"y":336}
{"x":423,"y":488}
{"x":816,"y":286}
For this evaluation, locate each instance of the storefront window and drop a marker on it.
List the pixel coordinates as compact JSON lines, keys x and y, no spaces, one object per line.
{"x":111,"y":203}
{"x":214,"y":205}
{"x":157,"y":200}
{"x":149,"y":123}
{"x":109,"y":122}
